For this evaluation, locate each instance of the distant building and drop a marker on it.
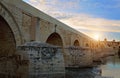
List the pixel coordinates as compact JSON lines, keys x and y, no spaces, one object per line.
{"x":113,"y":44}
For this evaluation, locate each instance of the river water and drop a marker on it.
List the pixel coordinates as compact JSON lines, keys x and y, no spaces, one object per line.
{"x":111,"y":69}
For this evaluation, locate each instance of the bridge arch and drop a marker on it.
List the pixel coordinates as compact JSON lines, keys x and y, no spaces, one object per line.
{"x":10,"y":37}
{"x":87,"y":45}
{"x":7,"y":49}
{"x":76,"y":43}
{"x":55,"y":39}
{"x":9,"y":18}
{"x":7,"y":39}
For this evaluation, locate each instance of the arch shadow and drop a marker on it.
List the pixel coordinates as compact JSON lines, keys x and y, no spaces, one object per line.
{"x":55,"y":39}
{"x":76,"y":43}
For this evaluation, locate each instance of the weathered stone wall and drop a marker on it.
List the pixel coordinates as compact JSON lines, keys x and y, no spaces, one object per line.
{"x":68,"y":37}
{"x":8,"y":17}
{"x":44,"y":61}
{"x":78,"y":57}
{"x":28,"y":24}
{"x":7,"y":49}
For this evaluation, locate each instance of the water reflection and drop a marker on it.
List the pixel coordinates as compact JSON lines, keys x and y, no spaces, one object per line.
{"x":112,"y":67}
{"x":83,"y":72}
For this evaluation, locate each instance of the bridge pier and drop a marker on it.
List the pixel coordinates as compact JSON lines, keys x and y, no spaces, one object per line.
{"x":43,"y":60}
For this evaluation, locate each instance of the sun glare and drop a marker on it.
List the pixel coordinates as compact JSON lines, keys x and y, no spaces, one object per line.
{"x":96,"y":37}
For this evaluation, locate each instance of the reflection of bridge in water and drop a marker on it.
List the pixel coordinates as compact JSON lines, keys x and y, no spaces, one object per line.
{"x":21,"y":23}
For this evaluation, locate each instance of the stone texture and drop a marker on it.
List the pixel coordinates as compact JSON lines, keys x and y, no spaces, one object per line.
{"x":25,"y":17}
{"x":27,"y":21}
{"x":45,"y":61}
{"x":29,"y":24}
{"x":78,"y":57}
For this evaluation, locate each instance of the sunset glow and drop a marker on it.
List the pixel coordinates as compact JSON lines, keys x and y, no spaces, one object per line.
{"x":78,"y":14}
{"x":96,"y":36}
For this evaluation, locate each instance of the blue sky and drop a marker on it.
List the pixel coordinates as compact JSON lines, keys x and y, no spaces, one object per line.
{"x":87,"y":16}
{"x":101,"y":8}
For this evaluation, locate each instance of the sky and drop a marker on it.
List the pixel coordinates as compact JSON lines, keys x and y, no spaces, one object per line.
{"x":92,"y":17}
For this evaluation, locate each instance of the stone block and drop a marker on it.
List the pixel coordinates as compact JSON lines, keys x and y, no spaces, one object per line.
{"x":44,"y":60}
{"x":77,"y":57}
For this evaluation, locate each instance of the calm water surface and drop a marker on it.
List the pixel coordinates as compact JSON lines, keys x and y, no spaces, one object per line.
{"x":112,"y":67}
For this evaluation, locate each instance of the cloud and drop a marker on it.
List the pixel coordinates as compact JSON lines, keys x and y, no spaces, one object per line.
{"x":42,"y":5}
{"x":57,"y":9}
{"x":84,"y":21}
{"x":53,"y":5}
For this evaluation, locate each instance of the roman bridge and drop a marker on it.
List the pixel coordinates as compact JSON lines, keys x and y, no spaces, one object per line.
{"x":21,"y":23}
{"x":25,"y":24}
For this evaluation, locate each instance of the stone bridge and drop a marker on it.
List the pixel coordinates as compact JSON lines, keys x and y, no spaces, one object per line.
{"x":21,"y":23}
{"x":25,"y":23}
